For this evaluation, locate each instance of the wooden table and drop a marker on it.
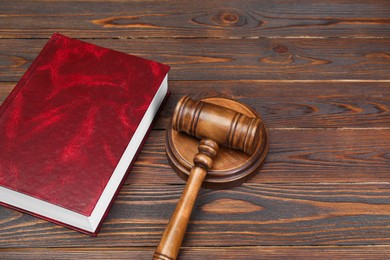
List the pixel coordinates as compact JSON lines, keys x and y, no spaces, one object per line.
{"x":318,"y":73}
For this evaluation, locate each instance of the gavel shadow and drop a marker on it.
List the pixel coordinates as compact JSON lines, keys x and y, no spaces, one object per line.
{"x":232,"y":148}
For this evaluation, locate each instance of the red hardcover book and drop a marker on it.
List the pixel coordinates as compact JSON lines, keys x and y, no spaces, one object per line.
{"x":72,"y":127}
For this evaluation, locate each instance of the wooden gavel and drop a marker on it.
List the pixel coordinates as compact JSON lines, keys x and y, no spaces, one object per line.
{"x":214,"y":125}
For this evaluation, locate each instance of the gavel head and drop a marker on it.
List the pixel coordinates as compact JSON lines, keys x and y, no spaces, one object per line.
{"x":222,"y":125}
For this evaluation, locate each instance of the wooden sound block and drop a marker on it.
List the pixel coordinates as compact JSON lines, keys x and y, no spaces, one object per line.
{"x":231,"y":167}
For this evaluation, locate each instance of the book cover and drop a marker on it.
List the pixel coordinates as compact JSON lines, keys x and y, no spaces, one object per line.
{"x":71,"y":128}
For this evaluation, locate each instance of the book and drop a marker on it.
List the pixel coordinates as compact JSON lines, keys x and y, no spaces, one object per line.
{"x":72,"y":127}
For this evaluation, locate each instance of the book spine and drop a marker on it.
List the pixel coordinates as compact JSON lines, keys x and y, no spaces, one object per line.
{"x":30,"y":71}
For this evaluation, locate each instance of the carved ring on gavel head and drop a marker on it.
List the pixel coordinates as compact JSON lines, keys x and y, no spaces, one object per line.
{"x":215,"y":121}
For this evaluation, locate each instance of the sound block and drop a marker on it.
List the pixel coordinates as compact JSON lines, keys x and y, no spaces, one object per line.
{"x":231,"y":167}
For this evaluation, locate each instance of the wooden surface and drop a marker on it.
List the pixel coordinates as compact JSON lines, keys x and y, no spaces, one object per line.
{"x":318,"y":73}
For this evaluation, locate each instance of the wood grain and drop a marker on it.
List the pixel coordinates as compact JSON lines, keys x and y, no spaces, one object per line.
{"x":295,"y":155}
{"x":208,"y":253}
{"x":206,"y":18}
{"x":280,"y":215}
{"x":234,"y":59}
{"x":297,"y":104}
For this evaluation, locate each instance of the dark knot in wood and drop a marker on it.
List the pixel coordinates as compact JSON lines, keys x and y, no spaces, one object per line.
{"x":229,"y":19}
{"x":280,"y":48}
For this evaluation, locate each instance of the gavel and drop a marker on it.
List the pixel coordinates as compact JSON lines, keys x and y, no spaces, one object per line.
{"x":214,"y":125}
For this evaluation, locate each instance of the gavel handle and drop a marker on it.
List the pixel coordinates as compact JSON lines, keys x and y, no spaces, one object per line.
{"x":174,"y":233}
{"x":172,"y":238}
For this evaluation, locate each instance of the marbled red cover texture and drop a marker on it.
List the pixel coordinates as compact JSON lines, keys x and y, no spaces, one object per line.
{"x":68,"y":121}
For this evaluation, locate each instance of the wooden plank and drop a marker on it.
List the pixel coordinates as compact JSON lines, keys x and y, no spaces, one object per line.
{"x":289,"y":104}
{"x":234,"y":59}
{"x":249,"y":215}
{"x":298,"y":104}
{"x":210,"y":18}
{"x":249,"y":252}
{"x":295,"y":156}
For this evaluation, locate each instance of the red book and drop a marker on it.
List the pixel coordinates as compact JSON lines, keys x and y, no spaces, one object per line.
{"x":72,"y":127}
